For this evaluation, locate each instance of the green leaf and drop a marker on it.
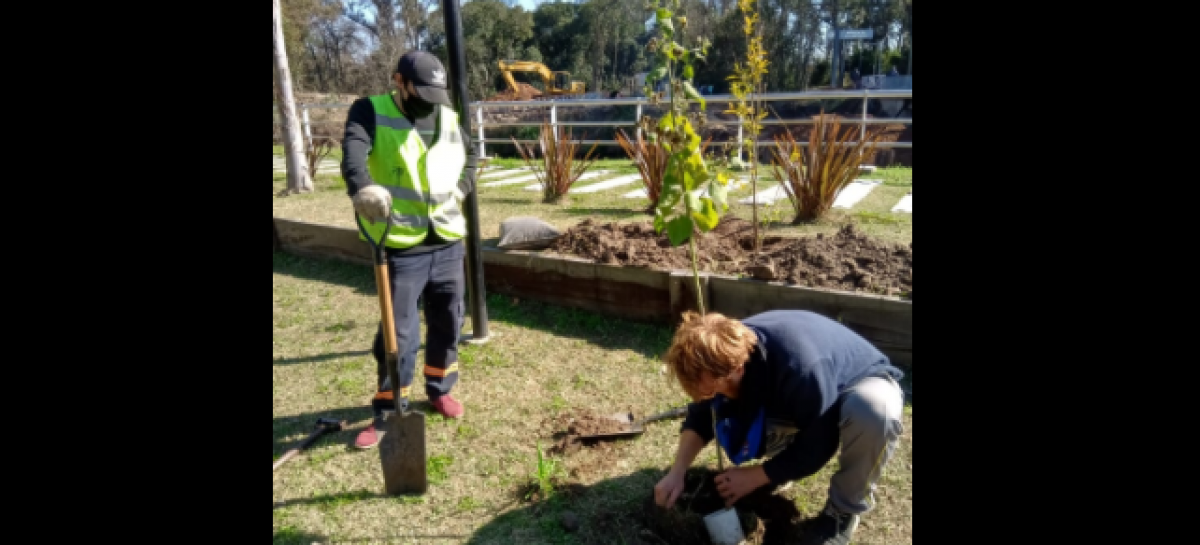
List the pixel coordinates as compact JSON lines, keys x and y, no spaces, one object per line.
{"x":669,"y":51}
{"x":680,"y":230}
{"x":720,"y":196}
{"x":697,"y":172}
{"x":706,"y":218}
{"x":688,"y":72}
{"x":659,"y":222}
{"x":667,"y":27}
{"x":658,"y":73}
{"x":667,"y":123}
{"x":692,"y":93}
{"x":693,"y":202}
{"x":663,"y":14}
{"x":693,"y":139}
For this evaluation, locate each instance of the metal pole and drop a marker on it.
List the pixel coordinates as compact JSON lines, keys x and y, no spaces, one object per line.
{"x":458,"y":75}
{"x":835,"y":66}
{"x":863,"y":125}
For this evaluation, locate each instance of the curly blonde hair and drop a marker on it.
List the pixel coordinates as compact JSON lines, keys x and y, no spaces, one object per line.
{"x":712,"y":344}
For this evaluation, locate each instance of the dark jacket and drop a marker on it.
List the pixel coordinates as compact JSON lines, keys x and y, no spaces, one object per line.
{"x":798,"y":371}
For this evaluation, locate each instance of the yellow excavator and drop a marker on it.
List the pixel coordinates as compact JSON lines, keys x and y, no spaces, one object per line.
{"x":557,"y":83}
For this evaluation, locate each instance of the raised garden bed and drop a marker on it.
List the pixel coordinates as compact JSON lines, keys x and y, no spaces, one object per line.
{"x":637,"y":293}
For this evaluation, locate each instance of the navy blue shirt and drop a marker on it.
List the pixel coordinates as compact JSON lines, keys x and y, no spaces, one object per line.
{"x":798,"y":371}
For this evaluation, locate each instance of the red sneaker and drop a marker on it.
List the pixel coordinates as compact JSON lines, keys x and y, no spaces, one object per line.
{"x":448,"y":406}
{"x":367,"y":438}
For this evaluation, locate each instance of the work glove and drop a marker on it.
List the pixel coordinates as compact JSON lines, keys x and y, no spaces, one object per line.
{"x":373,"y":202}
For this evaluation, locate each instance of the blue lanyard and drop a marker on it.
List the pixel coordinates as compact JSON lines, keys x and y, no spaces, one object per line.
{"x":725,"y":433}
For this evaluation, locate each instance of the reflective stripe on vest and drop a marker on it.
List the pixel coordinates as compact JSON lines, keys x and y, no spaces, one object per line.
{"x":418,"y":202}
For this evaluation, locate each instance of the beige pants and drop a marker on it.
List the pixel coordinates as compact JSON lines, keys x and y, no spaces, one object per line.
{"x":871,"y":424}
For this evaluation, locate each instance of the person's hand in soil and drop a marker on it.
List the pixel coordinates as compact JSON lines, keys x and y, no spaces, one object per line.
{"x":736,"y":482}
{"x":668,"y":489}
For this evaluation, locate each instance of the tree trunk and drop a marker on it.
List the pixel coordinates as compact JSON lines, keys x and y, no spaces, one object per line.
{"x":298,"y":179}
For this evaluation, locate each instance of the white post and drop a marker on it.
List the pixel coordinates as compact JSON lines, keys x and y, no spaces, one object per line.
{"x":739,"y":141}
{"x":479,"y":122}
{"x":308,"y":141}
{"x":554,"y":120}
{"x":637,"y":118}
{"x":863,"y":125}
{"x":862,"y":131}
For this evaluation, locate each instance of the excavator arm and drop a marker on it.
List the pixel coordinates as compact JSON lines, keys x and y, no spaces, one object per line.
{"x":547,"y":75}
{"x":512,"y":84}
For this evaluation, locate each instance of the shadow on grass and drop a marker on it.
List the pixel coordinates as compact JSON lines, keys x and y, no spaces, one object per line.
{"x":331,"y":271}
{"x":621,"y":510}
{"x":648,"y":339}
{"x":289,"y":535}
{"x":288,"y":431}
{"x":320,"y":357}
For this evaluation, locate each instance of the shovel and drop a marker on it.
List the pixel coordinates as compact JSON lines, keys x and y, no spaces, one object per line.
{"x":635,"y":428}
{"x":402,"y":447}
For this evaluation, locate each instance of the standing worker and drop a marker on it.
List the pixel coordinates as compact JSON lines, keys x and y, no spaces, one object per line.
{"x":405,"y":156}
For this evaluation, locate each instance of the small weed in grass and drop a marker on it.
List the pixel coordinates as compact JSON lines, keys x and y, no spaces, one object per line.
{"x":468,"y":503}
{"x":545,"y":472}
{"x":330,"y":503}
{"x":320,"y":457}
{"x":438,"y":467}
{"x":480,"y":357}
{"x":558,"y":404}
{"x":580,"y":382}
{"x":411,"y":500}
{"x":338,"y":328}
{"x":465,"y":431}
{"x":350,"y":386}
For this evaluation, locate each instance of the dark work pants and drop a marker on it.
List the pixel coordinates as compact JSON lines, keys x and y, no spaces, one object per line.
{"x":436,"y":277}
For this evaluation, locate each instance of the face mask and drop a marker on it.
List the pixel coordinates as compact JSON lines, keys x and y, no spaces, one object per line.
{"x":418,"y":106}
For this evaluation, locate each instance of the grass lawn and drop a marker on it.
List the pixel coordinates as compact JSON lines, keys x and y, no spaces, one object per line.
{"x":542,"y":363}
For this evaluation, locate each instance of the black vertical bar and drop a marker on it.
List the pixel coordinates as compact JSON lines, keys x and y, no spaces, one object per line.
{"x":458,"y":93}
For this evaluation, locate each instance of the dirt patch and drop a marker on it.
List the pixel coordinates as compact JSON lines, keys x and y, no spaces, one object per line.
{"x":568,"y":430}
{"x":848,"y":261}
{"x":766,"y":517}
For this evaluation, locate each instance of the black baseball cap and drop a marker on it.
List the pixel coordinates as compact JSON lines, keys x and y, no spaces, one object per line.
{"x":427,"y":75}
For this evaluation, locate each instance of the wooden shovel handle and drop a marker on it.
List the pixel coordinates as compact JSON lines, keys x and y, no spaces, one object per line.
{"x":385,"y":305}
{"x":387,"y":319}
{"x":673,"y":413}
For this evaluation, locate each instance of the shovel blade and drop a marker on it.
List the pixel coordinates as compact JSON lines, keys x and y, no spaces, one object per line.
{"x":625,"y":419}
{"x":402,"y":453}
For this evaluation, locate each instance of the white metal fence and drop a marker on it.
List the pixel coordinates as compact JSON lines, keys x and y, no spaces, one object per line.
{"x":895,"y":104}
